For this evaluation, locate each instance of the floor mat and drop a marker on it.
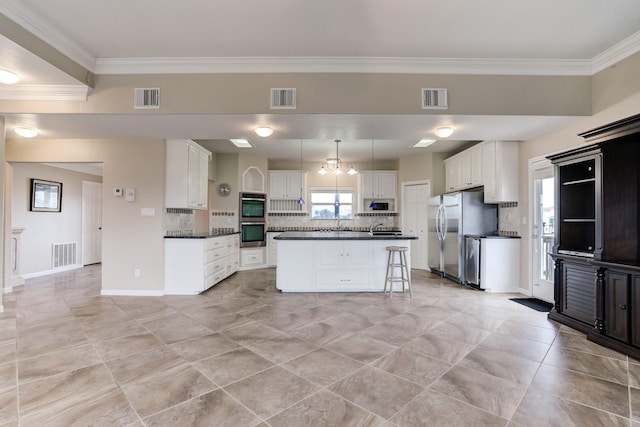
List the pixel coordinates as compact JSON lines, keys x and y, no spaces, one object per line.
{"x":534,"y":303}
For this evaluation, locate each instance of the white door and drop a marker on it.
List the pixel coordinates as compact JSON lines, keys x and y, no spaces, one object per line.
{"x":91,"y":222}
{"x":542,"y":229}
{"x":415,"y":221}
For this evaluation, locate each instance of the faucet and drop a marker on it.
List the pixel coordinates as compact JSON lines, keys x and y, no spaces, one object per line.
{"x":373,"y":227}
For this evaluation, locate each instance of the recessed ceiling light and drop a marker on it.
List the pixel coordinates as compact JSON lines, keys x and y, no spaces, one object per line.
{"x":263,"y":131}
{"x":241,"y":143}
{"x":423,"y":143}
{"x":26,"y":132}
{"x":444,"y":132}
{"x":8,"y":78}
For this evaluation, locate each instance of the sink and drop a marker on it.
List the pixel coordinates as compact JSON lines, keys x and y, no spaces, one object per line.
{"x":387,"y":233}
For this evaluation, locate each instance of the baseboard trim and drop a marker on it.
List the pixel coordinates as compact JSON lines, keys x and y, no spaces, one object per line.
{"x":48,"y":272}
{"x":131,"y":293}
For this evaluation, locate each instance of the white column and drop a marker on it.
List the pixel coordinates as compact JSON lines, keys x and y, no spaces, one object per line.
{"x":16,"y":278}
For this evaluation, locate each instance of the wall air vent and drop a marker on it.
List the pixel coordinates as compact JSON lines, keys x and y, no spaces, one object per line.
{"x":283,"y":98}
{"x":434,"y":99}
{"x":147,"y":98}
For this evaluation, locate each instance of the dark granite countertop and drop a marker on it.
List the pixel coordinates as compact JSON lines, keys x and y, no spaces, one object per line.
{"x":200,"y":235}
{"x":491,"y":236}
{"x":340,"y":235}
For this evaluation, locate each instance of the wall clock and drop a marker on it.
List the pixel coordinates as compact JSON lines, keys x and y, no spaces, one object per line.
{"x":224,"y":189}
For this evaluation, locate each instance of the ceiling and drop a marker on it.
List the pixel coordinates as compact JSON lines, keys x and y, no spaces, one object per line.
{"x":332,"y":36}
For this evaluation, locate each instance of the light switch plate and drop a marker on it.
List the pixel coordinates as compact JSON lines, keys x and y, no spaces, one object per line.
{"x":130,"y":194}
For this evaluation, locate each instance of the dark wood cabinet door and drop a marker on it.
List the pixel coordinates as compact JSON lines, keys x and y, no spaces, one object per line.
{"x":617,"y":307}
{"x":634,"y":315}
{"x":579,"y":292}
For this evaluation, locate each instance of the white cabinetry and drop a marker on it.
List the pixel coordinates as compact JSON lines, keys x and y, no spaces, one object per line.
{"x":464,"y":170}
{"x":492,"y":164}
{"x":333,"y":265}
{"x":379,"y":186}
{"x":500,"y":171}
{"x":187,"y":174}
{"x":285,"y":188}
{"x":251,"y":258}
{"x":272,"y":248}
{"x":194,"y":265}
{"x":343,"y":264}
{"x":499,"y":264}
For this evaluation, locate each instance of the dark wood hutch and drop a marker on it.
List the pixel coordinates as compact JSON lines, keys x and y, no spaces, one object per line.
{"x":597,"y":237}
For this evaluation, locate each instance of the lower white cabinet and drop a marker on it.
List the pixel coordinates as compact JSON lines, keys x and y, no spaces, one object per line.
{"x":194,"y":265}
{"x":333,"y":265}
{"x":500,"y":265}
{"x":272,"y":248}
{"x":252,"y":258}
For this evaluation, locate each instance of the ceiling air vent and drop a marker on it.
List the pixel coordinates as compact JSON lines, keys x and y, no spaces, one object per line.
{"x":147,"y":98}
{"x":283,"y":98}
{"x":434,"y":99}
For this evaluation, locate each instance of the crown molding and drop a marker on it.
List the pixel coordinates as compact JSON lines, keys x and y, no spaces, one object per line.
{"x":24,"y":16}
{"x":44,"y":92}
{"x":341,"y":65}
{"x":616,"y":53}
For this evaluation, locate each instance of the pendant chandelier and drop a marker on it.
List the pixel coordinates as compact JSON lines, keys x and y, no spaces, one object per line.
{"x":301,"y":199}
{"x":334,"y":164}
{"x":372,"y":205}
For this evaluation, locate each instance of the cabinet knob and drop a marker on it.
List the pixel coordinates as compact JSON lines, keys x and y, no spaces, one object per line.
{"x":622,"y":307}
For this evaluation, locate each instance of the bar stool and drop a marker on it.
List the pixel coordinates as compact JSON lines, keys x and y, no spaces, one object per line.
{"x":393,"y":264}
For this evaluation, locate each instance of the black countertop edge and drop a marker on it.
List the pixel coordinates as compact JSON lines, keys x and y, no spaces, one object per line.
{"x":633,"y":264}
{"x":339,"y":235}
{"x":328,"y":229}
{"x":491,"y":236}
{"x":201,"y":235}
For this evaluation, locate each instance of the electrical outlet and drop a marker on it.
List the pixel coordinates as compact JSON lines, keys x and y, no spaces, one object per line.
{"x":136,"y":272}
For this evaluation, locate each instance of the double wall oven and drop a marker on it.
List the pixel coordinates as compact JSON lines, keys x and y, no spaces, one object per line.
{"x":253,"y":224}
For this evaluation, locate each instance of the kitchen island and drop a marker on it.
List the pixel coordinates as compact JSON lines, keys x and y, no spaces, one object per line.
{"x":335,"y":261}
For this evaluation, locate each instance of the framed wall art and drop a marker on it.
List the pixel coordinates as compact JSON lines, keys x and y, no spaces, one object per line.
{"x":46,"y":196}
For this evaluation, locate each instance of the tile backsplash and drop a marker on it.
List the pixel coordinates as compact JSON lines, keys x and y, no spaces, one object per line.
{"x":508,"y":219}
{"x":178,"y":221}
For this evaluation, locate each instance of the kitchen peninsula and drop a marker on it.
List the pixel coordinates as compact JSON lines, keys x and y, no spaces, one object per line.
{"x":335,"y":261}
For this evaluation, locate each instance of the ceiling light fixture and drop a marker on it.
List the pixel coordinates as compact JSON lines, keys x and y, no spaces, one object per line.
{"x":444,"y":132}
{"x":424,"y":143}
{"x":263,"y":131}
{"x":26,"y":132}
{"x":241,"y":143}
{"x":334,"y":164}
{"x":7,"y":77}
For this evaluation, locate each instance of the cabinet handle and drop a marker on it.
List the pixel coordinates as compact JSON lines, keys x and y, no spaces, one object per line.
{"x":622,"y":307}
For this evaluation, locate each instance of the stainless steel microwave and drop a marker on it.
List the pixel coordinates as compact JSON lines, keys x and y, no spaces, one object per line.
{"x":380,"y":206}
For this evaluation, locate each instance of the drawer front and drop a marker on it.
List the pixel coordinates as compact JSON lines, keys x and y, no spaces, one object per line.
{"x":213,"y":243}
{"x":341,"y":281}
{"x":214,"y":267}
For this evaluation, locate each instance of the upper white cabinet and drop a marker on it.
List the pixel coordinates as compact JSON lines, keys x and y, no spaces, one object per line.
{"x":492,"y":164}
{"x":379,"y":186}
{"x":187,"y":174}
{"x":285,"y":188}
{"x":464,"y":170}
{"x":500,"y":171}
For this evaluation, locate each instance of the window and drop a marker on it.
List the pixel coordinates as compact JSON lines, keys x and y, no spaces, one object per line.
{"x":329,"y":204}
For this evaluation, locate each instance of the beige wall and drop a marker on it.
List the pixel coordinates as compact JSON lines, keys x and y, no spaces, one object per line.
{"x":42,"y":229}
{"x":616,"y":96}
{"x":129,"y":241}
{"x":342,"y":93}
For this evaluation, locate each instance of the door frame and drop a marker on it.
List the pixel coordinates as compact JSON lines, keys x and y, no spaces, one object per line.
{"x":403,"y":187}
{"x":534,"y":164}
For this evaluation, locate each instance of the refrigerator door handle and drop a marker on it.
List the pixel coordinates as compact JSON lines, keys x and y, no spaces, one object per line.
{"x":439,"y":222}
{"x":445,"y":224}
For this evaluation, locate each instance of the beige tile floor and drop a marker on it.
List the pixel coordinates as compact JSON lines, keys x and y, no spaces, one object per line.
{"x":243,"y":354}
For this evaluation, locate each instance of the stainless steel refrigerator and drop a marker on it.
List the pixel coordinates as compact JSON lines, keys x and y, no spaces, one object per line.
{"x":451,"y":217}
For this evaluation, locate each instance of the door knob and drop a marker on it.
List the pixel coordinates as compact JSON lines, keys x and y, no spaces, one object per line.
{"x":622,"y":307}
